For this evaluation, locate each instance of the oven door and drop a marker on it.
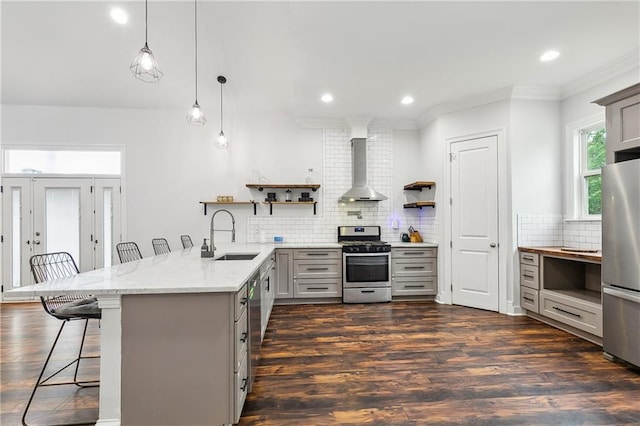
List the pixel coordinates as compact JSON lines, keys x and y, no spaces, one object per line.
{"x":366,"y":270}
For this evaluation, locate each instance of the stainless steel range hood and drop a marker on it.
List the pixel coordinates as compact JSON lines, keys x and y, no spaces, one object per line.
{"x":360,"y":191}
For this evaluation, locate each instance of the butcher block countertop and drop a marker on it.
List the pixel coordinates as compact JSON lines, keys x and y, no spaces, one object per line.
{"x":567,"y":252}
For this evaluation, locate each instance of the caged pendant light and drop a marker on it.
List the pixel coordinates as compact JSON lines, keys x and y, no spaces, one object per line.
{"x":195,"y":116}
{"x":145,"y":67}
{"x":221,"y":140}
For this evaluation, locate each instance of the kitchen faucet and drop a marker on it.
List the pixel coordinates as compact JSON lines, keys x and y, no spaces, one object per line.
{"x":212,"y":249}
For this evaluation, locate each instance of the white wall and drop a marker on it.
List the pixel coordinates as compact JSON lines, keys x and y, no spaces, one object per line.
{"x":171,"y":166}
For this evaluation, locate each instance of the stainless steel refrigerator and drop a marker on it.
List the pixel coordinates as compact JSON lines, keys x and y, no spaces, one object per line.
{"x":621,"y":260}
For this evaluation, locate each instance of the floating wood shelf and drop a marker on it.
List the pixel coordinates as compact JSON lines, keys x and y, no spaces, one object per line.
{"x":420,"y":204}
{"x":417,"y":186}
{"x":261,"y":186}
{"x":271,"y":203}
{"x":205,"y":203}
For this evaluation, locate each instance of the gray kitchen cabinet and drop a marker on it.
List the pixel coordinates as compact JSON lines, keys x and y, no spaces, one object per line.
{"x":317,"y":273}
{"x":562,"y":289}
{"x":529,"y":281}
{"x":284,"y":274}
{"x":213,"y":353}
{"x":414,"y":271}
{"x":623,"y":126}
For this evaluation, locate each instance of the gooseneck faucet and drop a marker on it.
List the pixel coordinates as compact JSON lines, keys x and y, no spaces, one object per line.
{"x":212,"y":229}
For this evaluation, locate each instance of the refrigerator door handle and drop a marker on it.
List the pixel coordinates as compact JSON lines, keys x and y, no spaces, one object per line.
{"x":621,"y":294}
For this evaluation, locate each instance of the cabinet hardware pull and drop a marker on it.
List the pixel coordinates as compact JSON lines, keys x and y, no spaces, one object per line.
{"x":414,"y":286}
{"x":244,"y":300}
{"x":268,"y":283}
{"x":318,"y":288}
{"x":367,"y":291}
{"x":244,"y":337}
{"x":528,"y":276}
{"x":528,"y":298}
{"x":245,"y":382}
{"x":318,"y":254}
{"x":528,"y":258}
{"x":567,"y":312}
{"x":414,"y":267}
{"x":318,"y":269}
{"x":409,"y":253}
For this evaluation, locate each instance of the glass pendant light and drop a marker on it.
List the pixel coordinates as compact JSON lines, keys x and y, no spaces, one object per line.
{"x":221,"y":140}
{"x":145,"y":67}
{"x":195,"y":115}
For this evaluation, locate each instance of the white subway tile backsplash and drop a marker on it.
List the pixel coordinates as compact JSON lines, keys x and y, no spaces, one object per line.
{"x":553,"y":230}
{"x":336,"y":180}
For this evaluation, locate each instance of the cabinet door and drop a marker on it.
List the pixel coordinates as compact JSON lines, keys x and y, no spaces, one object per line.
{"x":623,"y":126}
{"x":284,"y":274}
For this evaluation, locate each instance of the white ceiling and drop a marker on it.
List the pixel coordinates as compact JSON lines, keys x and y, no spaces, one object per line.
{"x":281,"y":56}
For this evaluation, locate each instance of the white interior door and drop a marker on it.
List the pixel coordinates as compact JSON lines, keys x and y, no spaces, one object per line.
{"x":474,"y":223}
{"x":16,"y":232}
{"x":107,"y":227}
{"x":63,"y":218}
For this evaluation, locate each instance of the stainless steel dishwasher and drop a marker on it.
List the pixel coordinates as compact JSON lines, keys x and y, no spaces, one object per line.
{"x":255,"y":326}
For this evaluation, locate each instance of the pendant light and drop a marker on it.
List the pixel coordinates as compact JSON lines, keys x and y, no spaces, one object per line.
{"x":145,"y":67}
{"x":221,"y":140}
{"x":195,"y":115}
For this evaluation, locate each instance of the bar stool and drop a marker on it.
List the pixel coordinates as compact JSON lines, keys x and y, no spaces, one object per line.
{"x":67,"y":308}
{"x":160,"y":246}
{"x":186,"y":241}
{"x":128,"y":252}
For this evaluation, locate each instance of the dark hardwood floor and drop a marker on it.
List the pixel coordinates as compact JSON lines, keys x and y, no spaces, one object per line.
{"x":399,"y":363}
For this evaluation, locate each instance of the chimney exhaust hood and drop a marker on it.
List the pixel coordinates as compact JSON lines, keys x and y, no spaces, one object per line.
{"x":360,"y":191}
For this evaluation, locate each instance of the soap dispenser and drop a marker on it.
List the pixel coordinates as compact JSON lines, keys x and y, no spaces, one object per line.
{"x":204,"y":247}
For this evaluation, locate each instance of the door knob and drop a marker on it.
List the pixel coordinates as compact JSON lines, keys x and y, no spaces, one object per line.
{"x":492,"y":245}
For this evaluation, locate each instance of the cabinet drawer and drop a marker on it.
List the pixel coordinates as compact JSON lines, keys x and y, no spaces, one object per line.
{"x":241,"y":339}
{"x":529,"y":258}
{"x":414,"y":252}
{"x":572,"y":311}
{"x":241,"y":386}
{"x":321,"y":287}
{"x":530,"y":276}
{"x":241,"y":301}
{"x":412,"y":267}
{"x":414,"y":286}
{"x":317,"y":254}
{"x":529,"y":299}
{"x":317,"y":268}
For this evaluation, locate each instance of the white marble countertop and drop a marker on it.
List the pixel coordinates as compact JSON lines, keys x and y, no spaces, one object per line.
{"x":177,"y":272}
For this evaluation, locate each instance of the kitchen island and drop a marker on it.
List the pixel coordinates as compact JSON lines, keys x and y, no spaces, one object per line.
{"x":172,"y":335}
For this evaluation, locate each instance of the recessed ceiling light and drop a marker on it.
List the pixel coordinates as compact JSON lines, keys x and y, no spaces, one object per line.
{"x":549,"y":56}
{"x":119,"y":15}
{"x":407,"y":100}
{"x":326,"y":98}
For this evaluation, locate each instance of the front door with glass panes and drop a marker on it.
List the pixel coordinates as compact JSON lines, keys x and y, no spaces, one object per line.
{"x":43,"y":215}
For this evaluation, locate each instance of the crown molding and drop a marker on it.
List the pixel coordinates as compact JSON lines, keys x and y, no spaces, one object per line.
{"x":465,"y":103}
{"x":600,"y":75}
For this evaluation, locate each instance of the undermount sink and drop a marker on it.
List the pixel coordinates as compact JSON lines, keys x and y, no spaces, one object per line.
{"x":237,"y":256}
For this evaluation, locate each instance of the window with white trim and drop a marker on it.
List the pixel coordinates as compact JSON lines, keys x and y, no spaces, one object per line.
{"x":592,"y":157}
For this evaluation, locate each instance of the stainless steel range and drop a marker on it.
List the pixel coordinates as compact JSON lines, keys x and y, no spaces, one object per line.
{"x":366,"y":265}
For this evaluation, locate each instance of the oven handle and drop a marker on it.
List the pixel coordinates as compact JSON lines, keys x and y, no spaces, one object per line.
{"x":378,"y":254}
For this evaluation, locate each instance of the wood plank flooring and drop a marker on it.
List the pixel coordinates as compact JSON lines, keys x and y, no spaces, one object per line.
{"x":398,"y":363}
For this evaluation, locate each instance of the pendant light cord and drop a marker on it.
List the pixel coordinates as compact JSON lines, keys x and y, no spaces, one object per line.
{"x":195,"y":19}
{"x":146,"y":14}
{"x":221,"y":126}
